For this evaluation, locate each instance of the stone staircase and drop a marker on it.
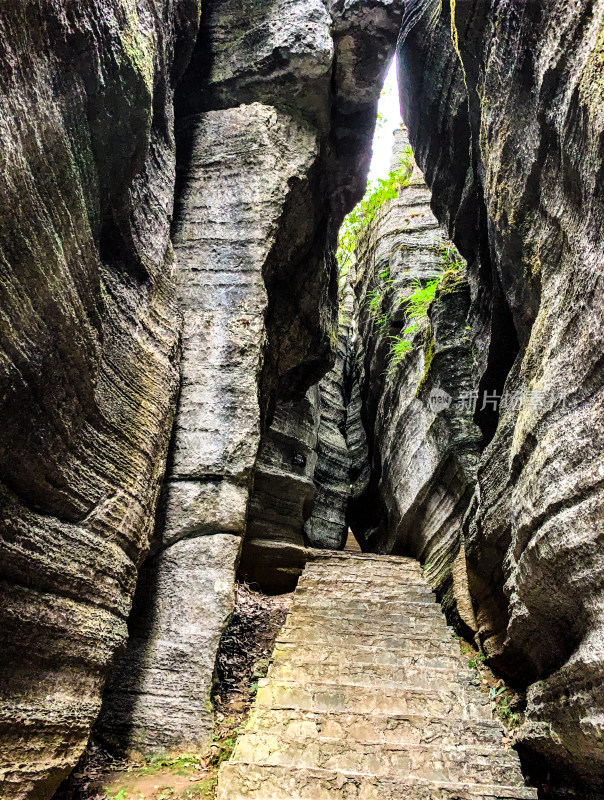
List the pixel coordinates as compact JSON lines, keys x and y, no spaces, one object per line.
{"x":368,"y":697}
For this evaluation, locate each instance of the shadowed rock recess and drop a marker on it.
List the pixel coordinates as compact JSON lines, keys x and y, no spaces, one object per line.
{"x":189,"y":390}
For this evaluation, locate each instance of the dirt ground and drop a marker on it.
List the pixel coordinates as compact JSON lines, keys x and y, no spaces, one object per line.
{"x":243,"y":658}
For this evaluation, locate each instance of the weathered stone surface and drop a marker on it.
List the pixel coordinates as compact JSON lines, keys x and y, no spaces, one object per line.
{"x":184,"y":598}
{"x":88,"y":345}
{"x":255,"y":218}
{"x":241,"y":164}
{"x":327,"y":525}
{"x":274,"y":550}
{"x":424,"y":456}
{"x":527,"y":211}
{"x":330,"y":722}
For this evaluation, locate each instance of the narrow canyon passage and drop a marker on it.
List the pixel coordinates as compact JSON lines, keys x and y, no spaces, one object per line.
{"x":226,"y":356}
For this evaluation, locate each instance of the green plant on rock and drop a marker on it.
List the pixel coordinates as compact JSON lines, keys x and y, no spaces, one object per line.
{"x":417,"y":305}
{"x":362,"y":215}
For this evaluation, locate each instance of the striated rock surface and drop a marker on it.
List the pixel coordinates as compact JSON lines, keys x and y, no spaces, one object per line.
{"x":276,"y":113}
{"x":327,"y":525}
{"x":275,"y":548}
{"x":418,"y":404}
{"x":516,"y":165}
{"x":241,"y":162}
{"x":88,"y":349}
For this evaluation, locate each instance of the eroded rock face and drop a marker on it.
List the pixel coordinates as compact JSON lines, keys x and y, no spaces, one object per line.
{"x":519,"y":184}
{"x":275,"y":547}
{"x":417,"y":407}
{"x":88,"y":347}
{"x":268,"y":165}
{"x":327,"y":526}
{"x":241,"y":163}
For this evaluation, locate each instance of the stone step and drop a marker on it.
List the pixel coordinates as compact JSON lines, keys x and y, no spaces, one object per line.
{"x":337,"y":557}
{"x":401,"y":729}
{"x":368,"y":697}
{"x":374,"y":594}
{"x":386,"y":579}
{"x":303,"y":653}
{"x":241,"y":781}
{"x":397,"y":587}
{"x":405,"y":641}
{"x":355,"y":609}
{"x":366,"y":570}
{"x":408,"y":626}
{"x":433,"y":763}
{"x":464,"y":702}
{"x":355,"y":674}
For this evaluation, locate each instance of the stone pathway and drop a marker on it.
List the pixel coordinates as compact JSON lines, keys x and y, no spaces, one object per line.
{"x":368,"y":697}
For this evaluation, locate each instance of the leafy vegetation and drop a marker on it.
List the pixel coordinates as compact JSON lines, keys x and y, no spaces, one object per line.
{"x":362,"y":215}
{"x":418,"y":303}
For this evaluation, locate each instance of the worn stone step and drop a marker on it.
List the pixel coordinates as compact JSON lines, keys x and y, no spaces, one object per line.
{"x":337,"y":557}
{"x":428,"y":762}
{"x":241,"y":781}
{"x":395,"y":587}
{"x":385,"y":578}
{"x":360,"y":593}
{"x":395,"y":729}
{"x":406,"y":641}
{"x":369,"y":675}
{"x":409,"y":625}
{"x":354,"y":608}
{"x":368,"y":697}
{"x":404,"y":576}
{"x":303,"y":653}
{"x":463,"y":701}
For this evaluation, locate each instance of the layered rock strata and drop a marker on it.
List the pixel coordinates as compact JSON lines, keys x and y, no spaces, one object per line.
{"x":88,"y":350}
{"x":417,"y":393}
{"x":275,"y":548}
{"x":327,"y":525}
{"x":504,"y":110}
{"x":276,"y":115}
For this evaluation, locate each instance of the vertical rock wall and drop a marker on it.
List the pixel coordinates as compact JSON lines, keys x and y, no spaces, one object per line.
{"x":417,"y":408}
{"x":327,"y":526}
{"x":89,"y":329}
{"x":240,"y":167}
{"x":504,"y":107}
{"x":276,"y":115}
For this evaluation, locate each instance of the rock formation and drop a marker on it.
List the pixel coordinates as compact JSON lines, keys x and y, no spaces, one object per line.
{"x":504,"y":108}
{"x":424,"y":448}
{"x":173,"y":180}
{"x":275,"y":119}
{"x":275,"y":550}
{"x":88,"y":347}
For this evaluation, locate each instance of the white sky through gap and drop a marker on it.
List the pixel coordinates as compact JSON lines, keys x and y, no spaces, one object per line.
{"x":389,"y":119}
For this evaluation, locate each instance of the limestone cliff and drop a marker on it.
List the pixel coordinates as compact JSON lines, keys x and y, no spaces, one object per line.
{"x":174,"y":174}
{"x":504,"y":108}
{"x":89,"y":337}
{"x":412,"y":302}
{"x":275,"y":118}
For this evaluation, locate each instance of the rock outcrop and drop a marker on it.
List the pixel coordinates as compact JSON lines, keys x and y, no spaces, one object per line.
{"x":133,"y":246}
{"x":417,"y":392}
{"x":88,"y":348}
{"x":327,"y":526}
{"x":504,"y":108}
{"x":275,"y":548}
{"x":276,"y":114}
